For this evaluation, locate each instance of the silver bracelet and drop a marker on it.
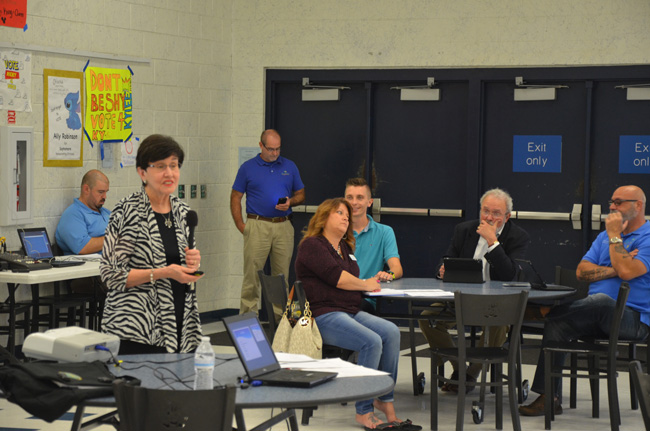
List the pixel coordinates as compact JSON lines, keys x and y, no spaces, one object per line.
{"x":151,"y":276}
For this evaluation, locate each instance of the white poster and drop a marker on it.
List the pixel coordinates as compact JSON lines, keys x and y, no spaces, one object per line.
{"x":63,"y":122}
{"x":129,"y":151}
{"x":16,"y":81}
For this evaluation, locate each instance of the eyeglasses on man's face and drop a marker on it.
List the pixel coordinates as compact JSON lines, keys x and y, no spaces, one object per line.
{"x":495,"y":214}
{"x":271,"y":150}
{"x":161,"y":167}
{"x":619,"y":202}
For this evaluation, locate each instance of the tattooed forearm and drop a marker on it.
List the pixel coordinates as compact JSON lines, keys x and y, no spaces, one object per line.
{"x":618,"y":248}
{"x":596,"y":274}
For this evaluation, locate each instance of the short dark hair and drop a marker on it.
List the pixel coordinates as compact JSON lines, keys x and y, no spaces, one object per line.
{"x":157,"y":147}
{"x":358,"y":182}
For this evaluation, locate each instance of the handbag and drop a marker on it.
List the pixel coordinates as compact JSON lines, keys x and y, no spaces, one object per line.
{"x":298,"y":336}
{"x":305,"y":336}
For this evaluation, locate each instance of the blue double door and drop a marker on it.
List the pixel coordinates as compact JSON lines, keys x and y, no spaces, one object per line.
{"x":429,"y":161}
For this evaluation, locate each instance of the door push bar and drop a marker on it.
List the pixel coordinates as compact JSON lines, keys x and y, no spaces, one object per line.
{"x":378,"y":210}
{"x":597,"y":217}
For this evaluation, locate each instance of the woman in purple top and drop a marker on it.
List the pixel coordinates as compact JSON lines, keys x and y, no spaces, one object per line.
{"x":328,"y":270}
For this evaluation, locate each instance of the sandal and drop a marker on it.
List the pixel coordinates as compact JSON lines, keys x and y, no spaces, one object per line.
{"x":450,"y":387}
{"x":407,"y":425}
{"x":387,"y":426}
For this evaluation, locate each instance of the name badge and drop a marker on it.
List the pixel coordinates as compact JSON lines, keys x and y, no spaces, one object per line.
{"x":353,"y":258}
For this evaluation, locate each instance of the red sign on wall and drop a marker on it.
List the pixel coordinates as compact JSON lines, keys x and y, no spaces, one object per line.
{"x":13,"y":13}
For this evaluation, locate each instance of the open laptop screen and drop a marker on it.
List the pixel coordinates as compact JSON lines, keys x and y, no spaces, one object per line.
{"x":251,"y":343}
{"x":36,"y":243}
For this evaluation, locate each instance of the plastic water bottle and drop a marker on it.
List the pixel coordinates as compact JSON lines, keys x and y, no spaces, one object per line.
{"x":203,"y":365}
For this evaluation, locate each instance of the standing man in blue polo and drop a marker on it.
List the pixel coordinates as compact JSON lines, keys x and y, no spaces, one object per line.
{"x":376,"y":246}
{"x":82,"y":225}
{"x":272,"y":186}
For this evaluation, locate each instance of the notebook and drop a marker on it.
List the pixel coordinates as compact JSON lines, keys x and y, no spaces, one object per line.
{"x":36,"y":244}
{"x":536,"y":281}
{"x":259,"y":361}
{"x":463,"y":270}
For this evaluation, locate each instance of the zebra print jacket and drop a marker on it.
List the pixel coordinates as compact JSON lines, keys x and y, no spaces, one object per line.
{"x":144,"y":313}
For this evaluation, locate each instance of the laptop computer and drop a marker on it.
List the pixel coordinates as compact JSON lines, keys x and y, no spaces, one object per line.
{"x":257,"y":356}
{"x":536,"y":281}
{"x":463,"y":270}
{"x":36,"y":245}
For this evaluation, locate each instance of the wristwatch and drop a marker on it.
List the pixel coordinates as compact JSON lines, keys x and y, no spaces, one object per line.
{"x":615,"y":240}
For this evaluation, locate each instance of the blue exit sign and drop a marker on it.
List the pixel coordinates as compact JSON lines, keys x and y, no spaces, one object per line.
{"x":634,"y":154}
{"x":537,"y":153}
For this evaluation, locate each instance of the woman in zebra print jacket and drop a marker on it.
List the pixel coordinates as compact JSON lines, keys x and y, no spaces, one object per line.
{"x":146,"y":262}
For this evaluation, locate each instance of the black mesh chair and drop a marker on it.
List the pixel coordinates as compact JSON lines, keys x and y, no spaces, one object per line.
{"x":641,"y":383}
{"x":142,"y":409}
{"x":13,"y":310}
{"x":486,"y":311}
{"x":274,"y":297}
{"x":593,"y":353}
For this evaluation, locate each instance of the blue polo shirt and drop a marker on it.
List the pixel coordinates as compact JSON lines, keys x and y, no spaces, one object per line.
{"x":78,"y":224}
{"x":264,"y":183}
{"x":639,"y":299}
{"x":375,"y":245}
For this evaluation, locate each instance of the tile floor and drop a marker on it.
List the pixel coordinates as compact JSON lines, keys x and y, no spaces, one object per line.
{"x":337,"y":417}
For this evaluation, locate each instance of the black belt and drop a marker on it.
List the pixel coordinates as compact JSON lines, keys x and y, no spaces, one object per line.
{"x":270,"y":219}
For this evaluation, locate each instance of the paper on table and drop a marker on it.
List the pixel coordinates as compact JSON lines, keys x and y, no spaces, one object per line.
{"x":337,"y":365}
{"x":91,"y":257}
{"x":387,"y":292}
{"x":433,"y":293}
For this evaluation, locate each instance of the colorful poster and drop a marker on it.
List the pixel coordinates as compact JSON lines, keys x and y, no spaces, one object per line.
{"x":108,"y":104}
{"x":16,"y":81}
{"x":13,"y":13}
{"x":63,"y":137}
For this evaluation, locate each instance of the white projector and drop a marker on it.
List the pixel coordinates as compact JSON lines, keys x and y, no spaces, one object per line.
{"x":71,"y":344}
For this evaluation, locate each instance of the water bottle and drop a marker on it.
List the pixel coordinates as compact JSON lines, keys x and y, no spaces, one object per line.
{"x":203,"y":365}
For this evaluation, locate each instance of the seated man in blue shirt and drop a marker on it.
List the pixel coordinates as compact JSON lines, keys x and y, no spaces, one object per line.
{"x":82,"y":225}
{"x":376,"y":246}
{"x":620,"y":253}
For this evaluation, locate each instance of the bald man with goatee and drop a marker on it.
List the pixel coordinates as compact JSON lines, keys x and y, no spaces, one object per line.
{"x":82,"y":225}
{"x":620,"y":253}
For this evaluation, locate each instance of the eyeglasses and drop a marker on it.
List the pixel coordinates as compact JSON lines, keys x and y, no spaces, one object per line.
{"x":271,"y":150}
{"x":495,"y":214}
{"x":618,"y":202}
{"x":161,"y":167}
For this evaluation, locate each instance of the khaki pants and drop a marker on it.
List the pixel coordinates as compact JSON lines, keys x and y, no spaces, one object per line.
{"x":264,"y":239}
{"x":438,"y":335}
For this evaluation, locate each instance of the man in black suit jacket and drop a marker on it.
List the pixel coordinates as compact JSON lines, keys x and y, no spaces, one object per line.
{"x":498,"y":242}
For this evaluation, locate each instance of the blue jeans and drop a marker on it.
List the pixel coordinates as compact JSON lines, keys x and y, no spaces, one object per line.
{"x":587,"y":317}
{"x":376,"y":340}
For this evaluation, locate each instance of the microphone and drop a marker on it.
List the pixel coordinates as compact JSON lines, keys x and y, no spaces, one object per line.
{"x":192,"y":220}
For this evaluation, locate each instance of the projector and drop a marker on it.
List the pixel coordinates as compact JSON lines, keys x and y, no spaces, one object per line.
{"x":71,"y":344}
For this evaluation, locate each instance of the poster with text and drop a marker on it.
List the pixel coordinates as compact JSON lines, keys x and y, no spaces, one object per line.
{"x":108,"y":104}
{"x":13,"y":13}
{"x":129,"y":151}
{"x":16,"y":81}
{"x":63,"y":137}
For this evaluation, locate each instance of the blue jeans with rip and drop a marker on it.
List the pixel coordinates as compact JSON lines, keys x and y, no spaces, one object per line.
{"x":376,"y":339}
{"x":587,"y":317}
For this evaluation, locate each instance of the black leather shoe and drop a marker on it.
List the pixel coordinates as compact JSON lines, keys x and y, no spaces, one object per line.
{"x":536,"y":408}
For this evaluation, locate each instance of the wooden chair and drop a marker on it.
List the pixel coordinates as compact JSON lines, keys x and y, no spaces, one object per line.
{"x":593,"y":352}
{"x":143,"y":409}
{"x":486,"y":311}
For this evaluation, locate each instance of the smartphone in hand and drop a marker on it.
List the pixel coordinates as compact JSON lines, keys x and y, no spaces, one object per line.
{"x":281,"y":201}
